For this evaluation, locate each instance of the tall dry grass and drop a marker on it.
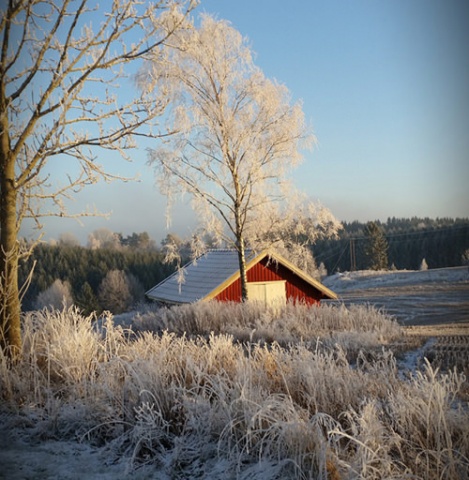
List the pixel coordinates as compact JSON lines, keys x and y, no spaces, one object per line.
{"x":353,"y":328}
{"x":197,"y":404}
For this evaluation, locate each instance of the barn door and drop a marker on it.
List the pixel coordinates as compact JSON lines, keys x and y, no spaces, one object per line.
{"x":272,"y":294}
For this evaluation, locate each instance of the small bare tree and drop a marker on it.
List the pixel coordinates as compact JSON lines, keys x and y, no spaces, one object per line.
{"x":118,"y":291}
{"x":465,"y":257}
{"x":56,"y":297}
{"x":239,"y":137}
{"x":60,"y":66}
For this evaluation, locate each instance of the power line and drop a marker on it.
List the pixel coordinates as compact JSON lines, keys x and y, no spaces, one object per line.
{"x":353,"y":263}
{"x":350,"y":242}
{"x":418,"y":232}
{"x":338,"y":260}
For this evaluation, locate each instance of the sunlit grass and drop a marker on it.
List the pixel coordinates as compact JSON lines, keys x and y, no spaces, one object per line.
{"x":254,"y":394}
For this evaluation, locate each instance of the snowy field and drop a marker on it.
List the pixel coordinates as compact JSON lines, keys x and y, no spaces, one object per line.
{"x":415,"y":298}
{"x":433,"y":297}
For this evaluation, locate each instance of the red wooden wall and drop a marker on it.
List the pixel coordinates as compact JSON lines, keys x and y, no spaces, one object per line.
{"x":297,"y":289}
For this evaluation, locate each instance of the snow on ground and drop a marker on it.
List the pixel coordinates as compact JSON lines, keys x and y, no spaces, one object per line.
{"x":365,"y":279}
{"x":24,"y":459}
{"x":57,"y":460}
{"x":425,"y":297}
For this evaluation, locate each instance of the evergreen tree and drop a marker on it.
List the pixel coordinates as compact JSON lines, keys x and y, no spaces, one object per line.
{"x":377,"y":247}
{"x":87,"y":300}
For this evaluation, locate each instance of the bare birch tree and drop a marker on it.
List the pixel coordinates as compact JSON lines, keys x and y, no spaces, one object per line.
{"x":61,"y":64}
{"x":240,"y":135}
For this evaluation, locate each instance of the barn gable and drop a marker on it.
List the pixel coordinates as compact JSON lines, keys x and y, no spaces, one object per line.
{"x":215,"y":275}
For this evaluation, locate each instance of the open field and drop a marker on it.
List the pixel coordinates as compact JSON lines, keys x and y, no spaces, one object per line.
{"x":431,"y":305}
{"x":439,"y":330}
{"x":425,"y":298}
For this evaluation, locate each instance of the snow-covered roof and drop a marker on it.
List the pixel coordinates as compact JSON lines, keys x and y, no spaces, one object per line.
{"x":206,"y":276}
{"x":200,"y":277}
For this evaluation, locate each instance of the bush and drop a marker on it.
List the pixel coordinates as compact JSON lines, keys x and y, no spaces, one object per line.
{"x":57,"y":296}
{"x":119,"y":291}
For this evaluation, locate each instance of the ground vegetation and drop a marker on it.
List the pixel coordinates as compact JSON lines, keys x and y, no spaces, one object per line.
{"x":318,"y":395}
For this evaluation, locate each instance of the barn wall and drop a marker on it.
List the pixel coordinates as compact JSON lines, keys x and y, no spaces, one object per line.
{"x":297,"y":289}
{"x":231,"y":294}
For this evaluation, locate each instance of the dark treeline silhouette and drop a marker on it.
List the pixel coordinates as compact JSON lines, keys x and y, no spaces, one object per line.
{"x":441,"y":242}
{"x":85,"y":269}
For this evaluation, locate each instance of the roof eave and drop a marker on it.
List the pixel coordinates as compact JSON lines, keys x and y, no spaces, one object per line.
{"x":211,"y":295}
{"x":165,"y":300}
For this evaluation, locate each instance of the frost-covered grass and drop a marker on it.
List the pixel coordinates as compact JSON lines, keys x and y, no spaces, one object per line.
{"x":228,"y":404}
{"x":352,"y":328}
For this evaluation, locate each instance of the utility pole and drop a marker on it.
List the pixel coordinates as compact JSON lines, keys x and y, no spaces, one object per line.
{"x":353,"y":264}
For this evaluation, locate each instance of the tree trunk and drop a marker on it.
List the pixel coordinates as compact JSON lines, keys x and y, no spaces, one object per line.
{"x":10,"y":328}
{"x":240,"y":238}
{"x":242,"y":268}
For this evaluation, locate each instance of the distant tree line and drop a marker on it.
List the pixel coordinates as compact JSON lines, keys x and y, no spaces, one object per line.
{"x":113,"y":272}
{"x":441,"y":242}
{"x":95,"y":279}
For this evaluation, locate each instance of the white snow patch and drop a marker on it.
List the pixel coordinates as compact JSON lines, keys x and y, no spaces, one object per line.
{"x":411,"y":360}
{"x":365,"y":279}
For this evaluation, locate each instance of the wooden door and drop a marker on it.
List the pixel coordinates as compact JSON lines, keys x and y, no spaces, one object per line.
{"x":270,"y":293}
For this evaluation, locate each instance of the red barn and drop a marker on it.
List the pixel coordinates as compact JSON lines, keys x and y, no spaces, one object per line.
{"x":215,"y":276}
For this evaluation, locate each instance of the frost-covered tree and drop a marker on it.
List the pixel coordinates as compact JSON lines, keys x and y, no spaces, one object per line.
{"x":119,"y":291}
{"x":322,"y":271}
{"x":68,"y":239}
{"x":140,"y":241}
{"x":423,"y":265}
{"x":61,"y":64}
{"x":238,"y":135}
{"x":114,"y":292}
{"x":103,"y":238}
{"x":56,"y":297}
{"x":465,"y":257}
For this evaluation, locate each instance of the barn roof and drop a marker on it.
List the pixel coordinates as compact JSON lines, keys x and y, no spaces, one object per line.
{"x":206,"y":276}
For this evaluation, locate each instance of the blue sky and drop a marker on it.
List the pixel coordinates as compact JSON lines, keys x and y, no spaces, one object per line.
{"x":385,"y":85}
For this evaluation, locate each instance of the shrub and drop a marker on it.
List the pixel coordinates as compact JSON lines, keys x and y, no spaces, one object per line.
{"x":57,"y":296}
{"x":119,"y":291}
